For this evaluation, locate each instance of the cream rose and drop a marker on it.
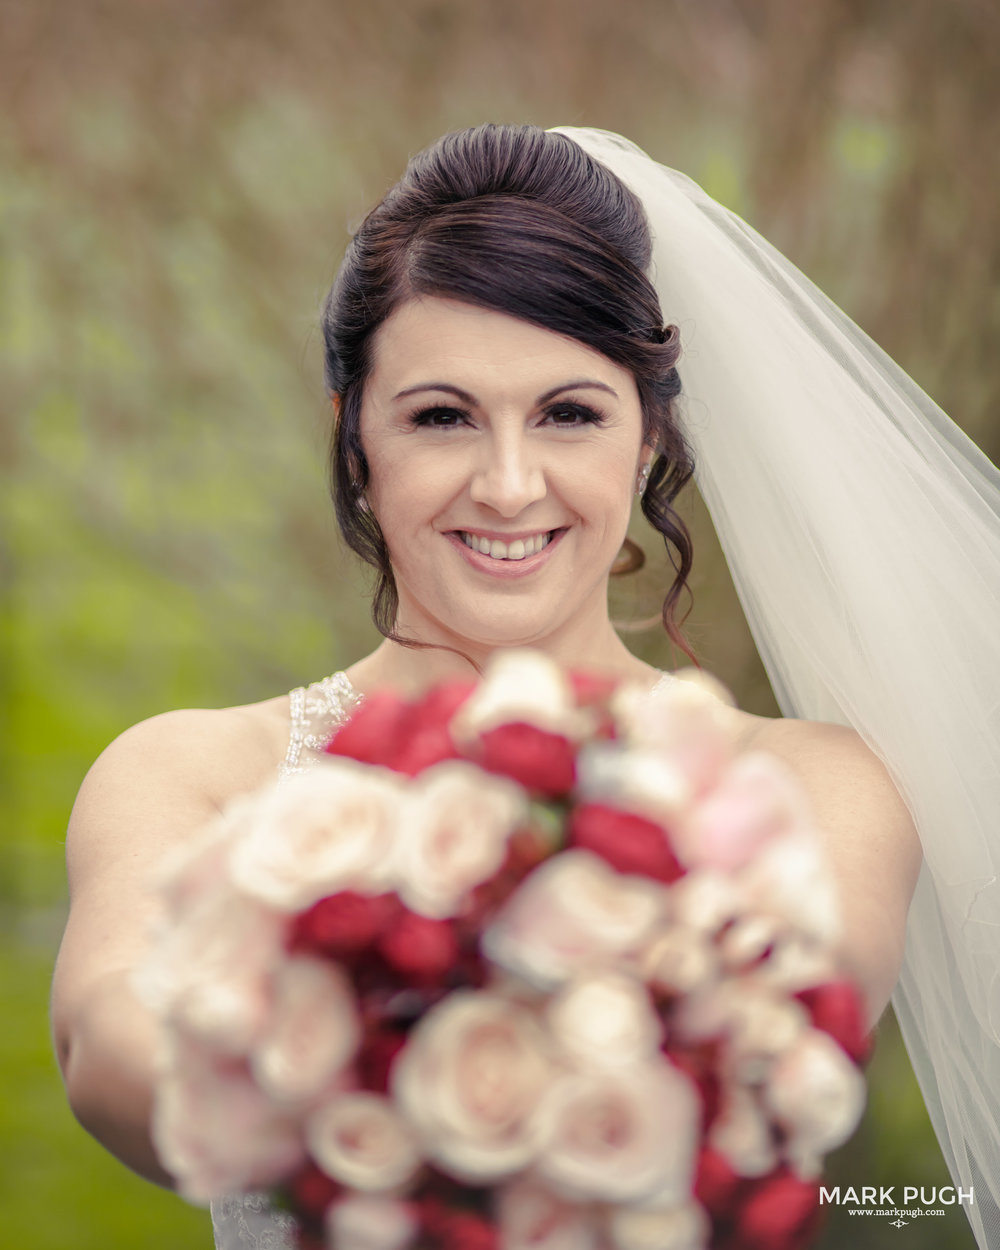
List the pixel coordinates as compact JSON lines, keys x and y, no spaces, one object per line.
{"x":455,"y":836}
{"x":741,"y":1132}
{"x":572,"y":914}
{"x":790,"y":879}
{"x":209,"y":973}
{"x":687,"y":721}
{"x":369,"y":1223}
{"x":331,"y":828}
{"x":621,"y":1135}
{"x":531,"y":1217}
{"x":312,"y":1031}
{"x":681,"y":1227}
{"x":641,"y":780}
{"x":521,"y":686}
{"x":605,"y":1019}
{"x":469,"y":1080}
{"x":817,"y":1094}
{"x":360,"y":1139}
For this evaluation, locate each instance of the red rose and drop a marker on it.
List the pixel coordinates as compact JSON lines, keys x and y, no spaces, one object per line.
{"x":342,"y":924}
{"x":425,"y":738}
{"x":838,"y":1009}
{"x":438,"y":707}
{"x":463,"y":1230}
{"x":373,"y":731}
{"x":701,"y":1065}
{"x":626,"y":841}
{"x":542,"y":762}
{"x":716,"y":1186}
{"x":419,"y":948}
{"x":311,"y":1191}
{"x":375,"y":1060}
{"x":780,"y":1212}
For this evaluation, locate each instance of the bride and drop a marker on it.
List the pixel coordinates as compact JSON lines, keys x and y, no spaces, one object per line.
{"x":505,"y":390}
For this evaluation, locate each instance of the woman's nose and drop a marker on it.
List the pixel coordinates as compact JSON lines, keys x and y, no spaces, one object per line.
{"x":509,"y":475}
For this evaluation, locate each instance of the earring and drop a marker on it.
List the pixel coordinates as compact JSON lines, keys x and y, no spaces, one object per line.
{"x":642,"y":481}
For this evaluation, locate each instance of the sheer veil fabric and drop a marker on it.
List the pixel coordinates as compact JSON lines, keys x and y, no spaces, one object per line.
{"x":862,"y":529}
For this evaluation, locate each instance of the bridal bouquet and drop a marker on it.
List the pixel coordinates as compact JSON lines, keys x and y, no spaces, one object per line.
{"x":535,"y":964}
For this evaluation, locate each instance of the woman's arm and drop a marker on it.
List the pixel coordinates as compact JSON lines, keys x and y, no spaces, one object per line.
{"x":871,"y":842}
{"x":155,"y":786}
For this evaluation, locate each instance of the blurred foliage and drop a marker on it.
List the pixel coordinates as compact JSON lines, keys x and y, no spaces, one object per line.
{"x":177,"y":181}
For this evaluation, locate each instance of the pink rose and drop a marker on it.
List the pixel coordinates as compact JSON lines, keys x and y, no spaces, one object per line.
{"x":756,"y":800}
{"x":331,"y":828}
{"x":686,"y":721}
{"x":359,"y":1139}
{"x":621,"y":1135}
{"x":311,"y":1034}
{"x":214,"y":1130}
{"x":573,"y":913}
{"x":458,"y":823}
{"x":469,"y":1080}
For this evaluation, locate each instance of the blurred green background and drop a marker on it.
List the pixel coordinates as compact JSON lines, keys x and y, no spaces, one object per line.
{"x":177,"y":182}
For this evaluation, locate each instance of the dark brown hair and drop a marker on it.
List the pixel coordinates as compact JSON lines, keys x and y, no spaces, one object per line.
{"x":520,"y":221}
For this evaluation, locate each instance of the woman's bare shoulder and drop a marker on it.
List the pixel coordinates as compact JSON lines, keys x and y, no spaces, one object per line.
{"x":833,"y":761}
{"x":219,"y":751}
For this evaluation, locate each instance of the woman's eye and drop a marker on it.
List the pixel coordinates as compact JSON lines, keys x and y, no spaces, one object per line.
{"x":439,"y":418}
{"x":573,"y":414}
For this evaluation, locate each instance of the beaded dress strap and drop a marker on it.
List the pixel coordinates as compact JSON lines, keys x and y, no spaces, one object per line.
{"x":316,"y":711}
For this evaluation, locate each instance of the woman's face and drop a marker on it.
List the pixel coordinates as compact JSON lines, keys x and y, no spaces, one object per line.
{"x":503,"y":461}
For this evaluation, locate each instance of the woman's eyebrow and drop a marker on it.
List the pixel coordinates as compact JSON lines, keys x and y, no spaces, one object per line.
{"x":466,"y":398}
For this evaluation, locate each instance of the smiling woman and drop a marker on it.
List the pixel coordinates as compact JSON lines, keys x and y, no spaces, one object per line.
{"x":505,"y":390}
{"x":503,"y":484}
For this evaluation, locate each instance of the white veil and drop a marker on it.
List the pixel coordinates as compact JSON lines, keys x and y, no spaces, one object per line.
{"x":862,"y":529}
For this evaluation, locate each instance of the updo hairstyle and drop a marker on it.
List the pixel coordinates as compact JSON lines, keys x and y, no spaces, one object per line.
{"x":524,"y":222}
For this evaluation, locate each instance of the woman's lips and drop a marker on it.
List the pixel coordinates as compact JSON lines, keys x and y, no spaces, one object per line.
{"x":507,"y":549}
{"x":511,"y":564}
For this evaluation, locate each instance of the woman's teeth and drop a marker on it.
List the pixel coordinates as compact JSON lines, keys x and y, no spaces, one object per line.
{"x":497,"y":550}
